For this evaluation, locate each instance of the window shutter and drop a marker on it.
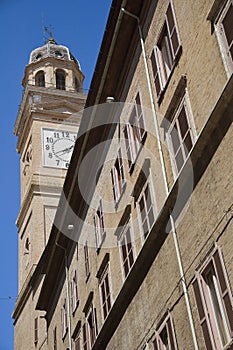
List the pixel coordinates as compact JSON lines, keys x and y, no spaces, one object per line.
{"x":155,"y":71}
{"x":224,"y":286}
{"x":173,"y":30}
{"x":201,"y":312}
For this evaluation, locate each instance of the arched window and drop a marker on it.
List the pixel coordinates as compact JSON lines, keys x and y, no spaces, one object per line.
{"x":60,"y":80}
{"x":40,"y":79}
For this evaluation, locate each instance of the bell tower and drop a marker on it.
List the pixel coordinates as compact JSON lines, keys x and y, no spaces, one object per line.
{"x":46,"y":127}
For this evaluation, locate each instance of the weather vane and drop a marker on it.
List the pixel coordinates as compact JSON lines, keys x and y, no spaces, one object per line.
{"x":47,"y":31}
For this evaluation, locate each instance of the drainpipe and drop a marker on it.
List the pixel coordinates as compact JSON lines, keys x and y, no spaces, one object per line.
{"x":174,"y":233}
{"x":67,"y":295}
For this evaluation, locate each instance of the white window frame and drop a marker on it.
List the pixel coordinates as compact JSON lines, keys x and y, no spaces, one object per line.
{"x":122,"y":239}
{"x":99,"y":225}
{"x":135,"y":131}
{"x":118,"y":177}
{"x":161,"y":72}
{"x":107,"y":301}
{"x":148,"y":184}
{"x":206,"y":304}
{"x":74,"y":292}
{"x":88,"y":330}
{"x":185,"y":103}
{"x":222,"y":40}
{"x":158,"y":343}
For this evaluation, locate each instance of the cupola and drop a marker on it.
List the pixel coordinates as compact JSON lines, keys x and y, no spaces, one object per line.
{"x":53,"y":66}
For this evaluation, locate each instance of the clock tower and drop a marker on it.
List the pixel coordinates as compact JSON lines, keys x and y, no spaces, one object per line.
{"x":46,"y":127}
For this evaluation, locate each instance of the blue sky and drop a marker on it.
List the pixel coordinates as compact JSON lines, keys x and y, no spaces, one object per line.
{"x":76,"y":24}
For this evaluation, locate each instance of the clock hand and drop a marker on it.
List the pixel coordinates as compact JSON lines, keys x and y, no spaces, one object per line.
{"x":63,"y":151}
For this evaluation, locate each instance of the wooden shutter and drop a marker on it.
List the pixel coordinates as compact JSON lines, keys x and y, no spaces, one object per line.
{"x":201,"y":312}
{"x":172,"y":30}
{"x":224,"y":286}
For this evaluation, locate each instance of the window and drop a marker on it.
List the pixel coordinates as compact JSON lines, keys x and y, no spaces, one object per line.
{"x":134,"y":132}
{"x":55,"y":338}
{"x":223,"y":25}
{"x":118,"y":177}
{"x":146,"y":209}
{"x":36,"y":330}
{"x":126,"y":248}
{"x":166,"y":51}
{"x":86,"y":259}
{"x":99,"y":225}
{"x":89,"y":329}
{"x":214,"y":302}
{"x":58,"y":54}
{"x":105,"y":292}
{"x":40,"y":79}
{"x":60,"y":80}
{"x":165,"y":337}
{"x":181,"y":135}
{"x":64,"y":319}
{"x":74,"y":292}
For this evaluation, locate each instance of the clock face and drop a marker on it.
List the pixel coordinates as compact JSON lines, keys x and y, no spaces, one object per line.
{"x":57,"y":147}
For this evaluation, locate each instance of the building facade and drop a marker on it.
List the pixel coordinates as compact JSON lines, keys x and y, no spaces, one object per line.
{"x":139,"y":255}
